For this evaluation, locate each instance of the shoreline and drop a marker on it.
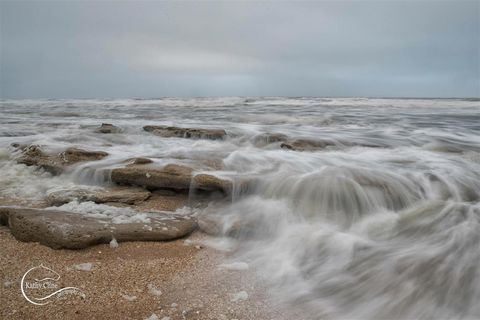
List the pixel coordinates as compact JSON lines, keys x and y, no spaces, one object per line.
{"x":167,"y":280}
{"x":192,"y":285}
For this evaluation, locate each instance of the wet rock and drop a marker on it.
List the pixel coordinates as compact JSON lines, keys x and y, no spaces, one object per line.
{"x":211,"y":183}
{"x":241,"y":220}
{"x":193,"y":133}
{"x":135,"y":161}
{"x":306,"y":144}
{"x":117,"y":195}
{"x":33,"y":155}
{"x":210,"y":225}
{"x":264,"y":139}
{"x":19,"y":146}
{"x":160,"y":201}
{"x":74,"y":155}
{"x":171,"y":176}
{"x":60,"y":229}
{"x":108,"y":128}
{"x":235,"y":227}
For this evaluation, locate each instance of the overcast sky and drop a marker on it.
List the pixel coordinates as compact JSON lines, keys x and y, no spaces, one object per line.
{"x":151,"y":49}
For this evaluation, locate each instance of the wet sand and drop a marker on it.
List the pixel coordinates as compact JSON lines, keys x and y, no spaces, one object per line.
{"x":191,"y":283}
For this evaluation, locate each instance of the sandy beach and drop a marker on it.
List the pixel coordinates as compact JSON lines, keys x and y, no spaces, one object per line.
{"x":137,"y":279}
{"x":179,"y":279}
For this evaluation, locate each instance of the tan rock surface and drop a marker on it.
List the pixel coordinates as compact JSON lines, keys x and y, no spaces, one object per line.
{"x":306,"y":144}
{"x":108,"y":128}
{"x":59,"y":229}
{"x":171,"y":176}
{"x":56,"y":163}
{"x":192,"y":133}
{"x":127,"y":195}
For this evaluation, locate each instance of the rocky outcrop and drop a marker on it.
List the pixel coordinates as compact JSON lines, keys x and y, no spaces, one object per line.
{"x":108,"y":128}
{"x":306,"y":144}
{"x":135,"y":161}
{"x":235,"y":227}
{"x":192,"y":133}
{"x":208,"y":182}
{"x":171,"y":176}
{"x":74,"y":155}
{"x":162,"y":200}
{"x":314,"y":145}
{"x":59,"y":229}
{"x":19,"y":146}
{"x":33,"y":155}
{"x":124,"y":195}
{"x":264,"y":139}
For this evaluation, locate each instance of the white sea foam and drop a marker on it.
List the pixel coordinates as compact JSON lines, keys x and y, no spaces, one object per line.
{"x":237,"y":266}
{"x":102,"y":211}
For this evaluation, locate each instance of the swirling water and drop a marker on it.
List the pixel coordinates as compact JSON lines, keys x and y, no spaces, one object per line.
{"x":383,"y":223}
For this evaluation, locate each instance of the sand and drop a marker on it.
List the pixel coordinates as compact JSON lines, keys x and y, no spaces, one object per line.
{"x":192,"y":285}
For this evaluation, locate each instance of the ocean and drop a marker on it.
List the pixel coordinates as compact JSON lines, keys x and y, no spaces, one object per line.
{"x":378,"y":218}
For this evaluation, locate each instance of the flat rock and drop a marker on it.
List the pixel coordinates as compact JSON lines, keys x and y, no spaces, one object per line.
{"x":56,"y":163}
{"x":108,"y":128}
{"x":172,"y":176}
{"x":74,"y":155}
{"x":192,"y":133}
{"x":60,"y":229}
{"x":130,"y":195}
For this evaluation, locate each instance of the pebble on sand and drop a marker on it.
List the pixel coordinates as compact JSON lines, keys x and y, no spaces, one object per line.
{"x":83,"y":266}
{"x":129,"y":298}
{"x":154,"y":290}
{"x":114,"y":243}
{"x":153,"y":317}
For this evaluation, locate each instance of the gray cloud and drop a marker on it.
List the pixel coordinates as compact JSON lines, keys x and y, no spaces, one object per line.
{"x":152,"y":49}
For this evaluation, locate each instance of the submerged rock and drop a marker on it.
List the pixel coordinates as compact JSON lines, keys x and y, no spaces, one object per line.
{"x":236,"y":227}
{"x":33,"y":155}
{"x":119,"y":194}
{"x":61,"y":229}
{"x":314,"y":145}
{"x":264,"y":139}
{"x":108,"y":128}
{"x":140,"y":161}
{"x":193,"y":133}
{"x":172,"y":176}
{"x":306,"y":144}
{"x":20,"y":146}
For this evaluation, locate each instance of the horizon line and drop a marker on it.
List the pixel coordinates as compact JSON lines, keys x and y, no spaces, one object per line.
{"x":252,"y":97}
